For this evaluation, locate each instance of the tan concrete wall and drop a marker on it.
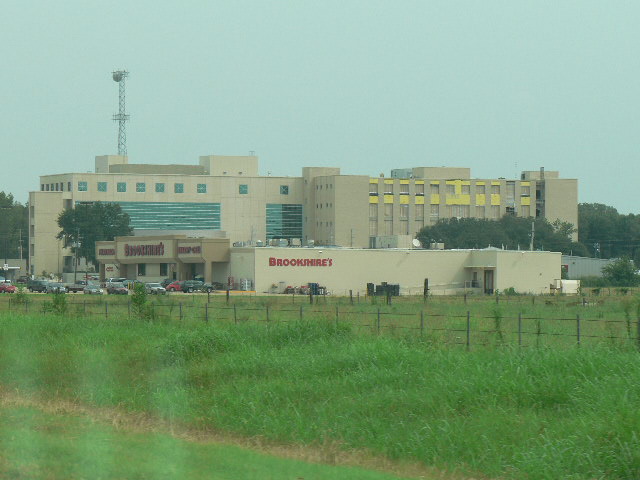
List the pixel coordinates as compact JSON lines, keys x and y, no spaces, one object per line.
{"x":527,"y":272}
{"x":561,"y":201}
{"x":232,"y":166}
{"x":45,"y":251}
{"x":445,"y":173}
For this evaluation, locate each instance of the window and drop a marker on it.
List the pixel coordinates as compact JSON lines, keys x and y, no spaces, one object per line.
{"x":159,"y":187}
{"x":466,"y":189}
{"x":178,"y":188}
{"x":419,"y":212}
{"x":480,"y":189}
{"x":388,"y":188}
{"x":68,"y":186}
{"x":42,"y":187}
{"x":404,"y":189}
{"x":404,"y":212}
{"x":480,"y":212}
{"x":435,"y":189}
{"x":525,"y":191}
{"x":388,"y":210}
{"x":243,"y":189}
{"x":102,"y":186}
{"x":388,"y":227}
{"x":495,"y":211}
{"x":525,"y":211}
{"x":495,"y":189}
{"x":373,"y":228}
{"x":373,"y":210}
{"x":373,"y":189}
{"x":164,"y":269}
{"x":47,"y":187}
{"x":284,"y":189}
{"x":435,"y":212}
{"x":451,"y":189}
{"x":201,"y":188}
{"x":142,"y":269}
{"x":82,"y":186}
{"x":141,"y":187}
{"x":121,"y":187}
{"x":419,"y":188}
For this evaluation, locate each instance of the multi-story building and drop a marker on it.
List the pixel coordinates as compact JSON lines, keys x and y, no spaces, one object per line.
{"x":224,"y":196}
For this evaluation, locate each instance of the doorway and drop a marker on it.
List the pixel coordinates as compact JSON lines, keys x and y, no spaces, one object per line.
{"x":488,"y":282}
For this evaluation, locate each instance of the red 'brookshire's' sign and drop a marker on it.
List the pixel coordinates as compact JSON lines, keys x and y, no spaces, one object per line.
{"x":300,"y":262}
{"x":143,"y":250}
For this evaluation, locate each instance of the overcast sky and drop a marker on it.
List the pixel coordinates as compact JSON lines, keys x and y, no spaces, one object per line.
{"x":497,"y":86}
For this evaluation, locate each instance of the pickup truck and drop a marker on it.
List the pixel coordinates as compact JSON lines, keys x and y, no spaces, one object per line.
{"x":76,"y":287}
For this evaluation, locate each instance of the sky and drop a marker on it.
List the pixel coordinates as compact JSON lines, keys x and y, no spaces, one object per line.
{"x":497,"y":86}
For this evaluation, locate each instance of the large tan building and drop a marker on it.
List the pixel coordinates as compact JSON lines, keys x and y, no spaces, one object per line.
{"x":226,"y":197}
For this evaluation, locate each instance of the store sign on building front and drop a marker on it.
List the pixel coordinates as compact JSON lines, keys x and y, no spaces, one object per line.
{"x":185,"y":250}
{"x":300,"y":262}
{"x":143,"y":250}
{"x":106,"y":251}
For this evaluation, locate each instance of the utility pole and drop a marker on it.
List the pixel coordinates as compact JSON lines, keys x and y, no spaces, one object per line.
{"x":533,"y":234}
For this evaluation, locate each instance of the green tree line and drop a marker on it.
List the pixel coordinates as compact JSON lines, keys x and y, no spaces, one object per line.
{"x":14,"y":228}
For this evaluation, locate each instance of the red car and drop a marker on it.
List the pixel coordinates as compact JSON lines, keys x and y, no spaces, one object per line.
{"x":7,"y":288}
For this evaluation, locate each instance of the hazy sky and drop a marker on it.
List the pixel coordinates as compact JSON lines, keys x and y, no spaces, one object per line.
{"x":498,"y":86}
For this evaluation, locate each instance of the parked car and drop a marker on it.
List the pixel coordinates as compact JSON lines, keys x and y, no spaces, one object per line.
{"x":23,"y":279}
{"x":7,"y":288}
{"x":55,"y":287}
{"x":189,"y":286}
{"x":117,"y":288}
{"x":93,"y":289}
{"x":155,"y":288}
{"x":166,"y":282}
{"x":37,"y":285}
{"x":76,"y":287}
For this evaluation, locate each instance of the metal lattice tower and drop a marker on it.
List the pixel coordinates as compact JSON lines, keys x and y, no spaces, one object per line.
{"x":121,"y":117}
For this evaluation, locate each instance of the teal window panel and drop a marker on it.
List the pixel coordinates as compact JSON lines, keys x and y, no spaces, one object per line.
{"x":82,"y":186}
{"x":284,"y":220}
{"x":202,"y":188}
{"x":284,"y":189}
{"x":173,"y":215}
{"x":243,"y":189}
{"x":141,"y":187}
{"x":178,"y":187}
{"x":102,"y":186}
{"x":159,"y":187}
{"x":121,"y":187}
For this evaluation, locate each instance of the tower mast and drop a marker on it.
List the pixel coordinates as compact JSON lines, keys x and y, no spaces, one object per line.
{"x":121,"y":117}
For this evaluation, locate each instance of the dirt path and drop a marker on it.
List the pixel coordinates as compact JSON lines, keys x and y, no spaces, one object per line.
{"x":328,"y":453}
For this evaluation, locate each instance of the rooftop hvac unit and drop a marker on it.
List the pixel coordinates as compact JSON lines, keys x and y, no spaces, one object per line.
{"x":259,"y":243}
{"x":273,"y":242}
{"x":311,"y":243}
{"x":283,"y":242}
{"x":296,"y":242}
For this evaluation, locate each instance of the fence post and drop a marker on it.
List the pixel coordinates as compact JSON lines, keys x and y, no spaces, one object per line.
{"x":206,"y":312}
{"x":180,"y":309}
{"x":301,"y":312}
{"x":293,"y":297}
{"x":358,"y":297}
{"x":337,"y":318}
{"x":351,"y":296}
{"x":469,"y":329}
{"x":227,"y":295}
{"x":520,"y":329}
{"x":421,"y":323}
{"x":378,"y":321}
{"x":578,"y":328}
{"x":267,"y":309}
{"x":9,"y":304}
{"x":638,"y":333}
{"x":129,"y":309}
{"x":106,"y":310}
{"x":311,"y":298}
{"x":465,"y":298}
{"x":235,"y":314}
{"x":84,"y":307}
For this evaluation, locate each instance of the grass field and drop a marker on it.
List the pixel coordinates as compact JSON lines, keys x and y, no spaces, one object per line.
{"x":507,"y":412}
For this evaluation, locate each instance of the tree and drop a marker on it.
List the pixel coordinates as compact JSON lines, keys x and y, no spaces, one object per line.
{"x":608,"y":234}
{"x":621,"y":273}
{"x":13,"y":227}
{"x":508,"y":232}
{"x":89,"y":223}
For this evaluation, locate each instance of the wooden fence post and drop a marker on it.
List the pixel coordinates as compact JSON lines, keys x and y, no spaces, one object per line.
{"x":337,"y":316}
{"x":206,"y":312}
{"x":351,"y":296}
{"x":468,"y":330}
{"x":106,"y":310}
{"x":578,"y":328}
{"x":180,"y":309}
{"x":235,"y":314}
{"x":378,"y":321}
{"x":267,"y":310}
{"x":520,"y":329}
{"x":227,"y":295}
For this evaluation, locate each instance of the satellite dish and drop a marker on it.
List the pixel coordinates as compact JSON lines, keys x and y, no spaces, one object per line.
{"x":416,"y":243}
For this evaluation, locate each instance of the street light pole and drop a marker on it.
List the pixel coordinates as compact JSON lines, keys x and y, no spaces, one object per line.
{"x":76,"y":246}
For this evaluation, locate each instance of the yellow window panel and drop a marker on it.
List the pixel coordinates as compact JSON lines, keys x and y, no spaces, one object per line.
{"x":419,"y":200}
{"x":419,"y":182}
{"x":525,"y":184}
{"x":525,"y":201}
{"x":388,"y":199}
{"x":404,"y":182}
{"x":435,"y":182}
{"x":481,"y":200}
{"x":458,"y":199}
{"x":480,"y":183}
{"x":465,"y":182}
{"x":495,"y":183}
{"x":388,"y":182}
{"x":452,"y":182}
{"x":373,"y":199}
{"x":495,"y":199}
{"x":404,"y":199}
{"x":373,"y":180}
{"x":435,"y":199}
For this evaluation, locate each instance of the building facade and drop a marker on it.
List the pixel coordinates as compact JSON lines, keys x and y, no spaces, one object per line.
{"x":226,"y":197}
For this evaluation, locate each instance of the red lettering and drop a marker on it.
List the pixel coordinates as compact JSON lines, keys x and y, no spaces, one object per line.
{"x":285,"y":262}
{"x":272,"y":261}
{"x":324,"y":262}
{"x":330,"y":261}
{"x":279,"y":262}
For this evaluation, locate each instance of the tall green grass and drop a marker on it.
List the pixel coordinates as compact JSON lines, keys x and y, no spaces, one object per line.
{"x":533,"y":413}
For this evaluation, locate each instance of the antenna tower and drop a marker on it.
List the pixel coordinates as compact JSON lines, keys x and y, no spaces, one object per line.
{"x":121,"y":117}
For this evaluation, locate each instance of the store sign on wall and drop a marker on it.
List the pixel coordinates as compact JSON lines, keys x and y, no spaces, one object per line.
{"x":106,"y":251}
{"x":143,"y":250}
{"x":190,"y":249}
{"x":300,"y":262}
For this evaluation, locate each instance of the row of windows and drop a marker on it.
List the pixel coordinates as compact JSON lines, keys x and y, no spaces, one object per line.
{"x":460,"y":211}
{"x":450,"y":189}
{"x":141,"y":187}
